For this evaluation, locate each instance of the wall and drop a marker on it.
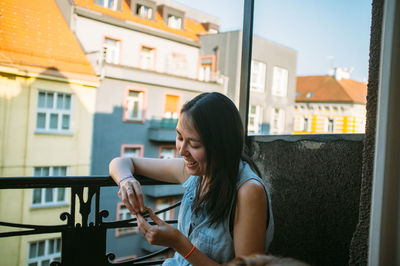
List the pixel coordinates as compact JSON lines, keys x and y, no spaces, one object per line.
{"x":315,"y":188}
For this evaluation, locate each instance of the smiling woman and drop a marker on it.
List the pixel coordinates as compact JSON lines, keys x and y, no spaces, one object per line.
{"x":224,"y":198}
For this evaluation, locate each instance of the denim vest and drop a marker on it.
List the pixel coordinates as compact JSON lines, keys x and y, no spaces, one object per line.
{"x":215,"y":242}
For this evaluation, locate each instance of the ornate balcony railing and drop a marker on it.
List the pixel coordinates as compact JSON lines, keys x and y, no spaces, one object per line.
{"x":84,"y":242}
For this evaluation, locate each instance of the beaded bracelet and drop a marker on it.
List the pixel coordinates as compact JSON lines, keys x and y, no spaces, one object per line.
{"x":124,"y":178}
{"x":190,"y":252}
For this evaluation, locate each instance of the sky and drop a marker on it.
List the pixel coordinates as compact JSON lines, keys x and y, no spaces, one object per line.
{"x":325,"y":33}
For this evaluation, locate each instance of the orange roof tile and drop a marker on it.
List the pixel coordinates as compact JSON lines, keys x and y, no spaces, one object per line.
{"x":34,"y":33}
{"x":191,"y":28}
{"x":328,"y":89}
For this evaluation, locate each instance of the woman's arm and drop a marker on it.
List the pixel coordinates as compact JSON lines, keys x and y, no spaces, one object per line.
{"x":167,"y":170}
{"x":250,"y":223}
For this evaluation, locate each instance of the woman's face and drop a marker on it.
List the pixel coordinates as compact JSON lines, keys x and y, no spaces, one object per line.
{"x":190,"y":147}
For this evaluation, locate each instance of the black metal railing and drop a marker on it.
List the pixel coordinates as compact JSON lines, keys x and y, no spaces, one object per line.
{"x":83,"y":243}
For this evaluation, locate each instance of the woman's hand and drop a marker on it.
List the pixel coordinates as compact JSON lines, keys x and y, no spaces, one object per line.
{"x":161,"y":233}
{"x":131,"y":195}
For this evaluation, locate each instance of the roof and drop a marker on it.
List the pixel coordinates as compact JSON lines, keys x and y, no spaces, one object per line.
{"x":34,"y":34}
{"x":191,"y":29}
{"x":328,"y":89}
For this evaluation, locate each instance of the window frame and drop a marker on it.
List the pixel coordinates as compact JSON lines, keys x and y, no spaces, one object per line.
{"x":279,"y":87}
{"x":132,"y":146}
{"x":178,"y":107}
{"x":55,"y":191}
{"x":162,"y":147}
{"x":54,"y":110}
{"x":118,"y":48}
{"x":258,"y":84}
{"x":47,"y":256}
{"x":141,"y":54}
{"x":126,"y":231}
{"x":142,"y":106}
{"x":256,"y":128}
{"x":280,"y":129}
{"x":212,"y":68}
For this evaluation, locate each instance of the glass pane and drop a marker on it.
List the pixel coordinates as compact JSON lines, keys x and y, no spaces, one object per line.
{"x":41,"y":248}
{"x":37,"y":195}
{"x":53,"y":121}
{"x":46,"y":263}
{"x":58,"y":245}
{"x":67,"y":102}
{"x":33,"y":250}
{"x":63,"y":171}
{"x":42,"y":99}
{"x":60,"y":194}
{"x":65,"y":122}
{"x":50,"y":249}
{"x":45,"y":171}
{"x":37,"y":171}
{"x":55,"y":171}
{"x":60,"y":98}
{"x":49,"y":195}
{"x":33,"y":264}
{"x":50,"y":100}
{"x":41,"y":121}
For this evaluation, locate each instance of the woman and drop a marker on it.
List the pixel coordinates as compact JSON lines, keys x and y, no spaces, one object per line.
{"x":225,"y":210}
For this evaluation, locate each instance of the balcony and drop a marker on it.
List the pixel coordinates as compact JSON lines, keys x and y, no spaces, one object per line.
{"x":315,"y":187}
{"x":163,"y":130}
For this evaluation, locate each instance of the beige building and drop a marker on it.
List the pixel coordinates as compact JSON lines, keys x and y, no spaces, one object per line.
{"x":329,"y":104}
{"x":47,"y":99}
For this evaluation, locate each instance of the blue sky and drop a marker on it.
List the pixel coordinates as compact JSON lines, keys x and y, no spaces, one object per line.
{"x":324,"y":33}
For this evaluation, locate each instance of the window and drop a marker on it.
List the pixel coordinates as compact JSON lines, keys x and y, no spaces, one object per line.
{"x":44,"y":197}
{"x":279,"y":82}
{"x":309,"y":94}
{"x":257,"y":78}
{"x":134,"y":106}
{"x":174,"y":22}
{"x":171,"y":106}
{"x":147,"y":58}
{"x":111,"y":50}
{"x":144,"y":11}
{"x":123,"y":213}
{"x":111,"y":4}
{"x":329,"y":125}
{"x":306,"y":124}
{"x":53,"y":112}
{"x":43,"y":252}
{"x":277,"y":121}
{"x":162,"y":203}
{"x":132,"y":150}
{"x":167,"y":152}
{"x":254,"y":119}
{"x":177,"y":64}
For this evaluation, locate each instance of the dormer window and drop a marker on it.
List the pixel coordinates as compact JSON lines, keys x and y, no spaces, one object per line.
{"x":144,"y":11}
{"x":174,"y":22}
{"x":111,"y":4}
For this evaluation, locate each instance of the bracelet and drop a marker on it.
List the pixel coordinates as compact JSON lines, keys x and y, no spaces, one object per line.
{"x":124,"y":178}
{"x":190,"y":252}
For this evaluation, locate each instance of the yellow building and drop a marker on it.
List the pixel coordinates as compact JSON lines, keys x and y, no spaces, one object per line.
{"x":329,"y":104}
{"x":47,"y":100}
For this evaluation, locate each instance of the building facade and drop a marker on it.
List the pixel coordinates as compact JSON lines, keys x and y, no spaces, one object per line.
{"x":47,"y":102}
{"x":329,"y":104}
{"x":146,"y":56}
{"x":273,"y":78}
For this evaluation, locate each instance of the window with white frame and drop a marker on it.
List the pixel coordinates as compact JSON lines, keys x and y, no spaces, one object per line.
{"x":111,"y":49}
{"x":147,"y":58}
{"x":45,"y":197}
{"x":111,"y":4}
{"x":123,"y":213}
{"x":167,"y":152}
{"x":174,"y":22}
{"x":131,"y":151}
{"x":279,"y":81}
{"x":277,"y":121}
{"x":144,"y":11}
{"x":54,"y":110}
{"x":205,"y":72}
{"x":254,"y":119}
{"x":43,"y":252}
{"x":162,"y":203}
{"x":134,"y":106}
{"x":329,"y":125}
{"x":257,"y":78}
